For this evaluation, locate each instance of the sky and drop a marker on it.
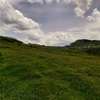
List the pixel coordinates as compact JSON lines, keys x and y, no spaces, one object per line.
{"x":50,"y":22}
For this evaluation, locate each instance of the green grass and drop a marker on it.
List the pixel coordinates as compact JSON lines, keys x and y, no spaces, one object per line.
{"x":31,"y":72}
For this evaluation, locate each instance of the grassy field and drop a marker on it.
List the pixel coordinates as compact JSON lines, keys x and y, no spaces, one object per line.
{"x":31,"y":72}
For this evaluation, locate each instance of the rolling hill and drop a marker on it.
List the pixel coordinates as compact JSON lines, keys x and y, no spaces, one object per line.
{"x":34,"y":72}
{"x":87,"y":46}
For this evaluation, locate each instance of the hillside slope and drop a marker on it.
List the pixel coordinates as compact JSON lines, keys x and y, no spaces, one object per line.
{"x":87,"y":46}
{"x":86,"y":42}
{"x":9,"y":40}
{"x":32,"y":72}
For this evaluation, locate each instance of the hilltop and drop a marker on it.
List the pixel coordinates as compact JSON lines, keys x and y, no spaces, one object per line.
{"x":9,"y":40}
{"x":34,"y":72}
{"x":87,"y":46}
{"x":86,"y":42}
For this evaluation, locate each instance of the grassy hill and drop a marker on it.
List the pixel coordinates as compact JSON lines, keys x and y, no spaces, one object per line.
{"x":9,"y":40}
{"x":33,"y":72}
{"x":86,"y":42}
{"x":87,"y":46}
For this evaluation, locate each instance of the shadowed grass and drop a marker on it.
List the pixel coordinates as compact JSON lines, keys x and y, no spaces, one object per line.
{"x":31,"y":72}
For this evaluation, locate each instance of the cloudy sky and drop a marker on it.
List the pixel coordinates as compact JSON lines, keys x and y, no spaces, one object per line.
{"x":50,"y":22}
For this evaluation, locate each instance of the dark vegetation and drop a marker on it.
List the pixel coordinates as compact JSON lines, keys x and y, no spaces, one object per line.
{"x":85,"y":42}
{"x":87,"y":46}
{"x":9,"y":40}
{"x":33,"y":72}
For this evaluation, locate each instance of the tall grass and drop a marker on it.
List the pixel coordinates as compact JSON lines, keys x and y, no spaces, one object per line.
{"x":30,"y":72}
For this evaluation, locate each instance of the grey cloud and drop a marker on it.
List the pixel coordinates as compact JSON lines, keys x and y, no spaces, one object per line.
{"x":13,"y":20}
{"x":80,"y":10}
{"x":95,"y":16}
{"x":10,"y":16}
{"x":94,"y":20}
{"x":29,"y":31}
{"x":81,"y":5}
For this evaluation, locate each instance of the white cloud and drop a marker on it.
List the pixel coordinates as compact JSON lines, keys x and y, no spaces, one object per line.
{"x":94,"y":20}
{"x":95,"y":16}
{"x":58,"y":38}
{"x":82,"y":6}
{"x":10,"y":16}
{"x":39,"y":1}
{"x":14,"y":20}
{"x":65,"y":38}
